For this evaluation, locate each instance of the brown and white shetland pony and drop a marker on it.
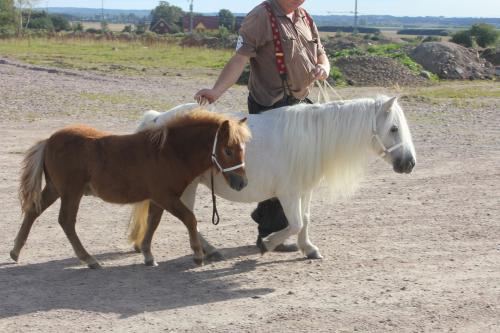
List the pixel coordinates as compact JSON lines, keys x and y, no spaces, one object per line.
{"x":155,"y":164}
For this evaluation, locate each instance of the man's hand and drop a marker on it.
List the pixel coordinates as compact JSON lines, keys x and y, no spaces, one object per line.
{"x":321,"y":72}
{"x":206,"y":96}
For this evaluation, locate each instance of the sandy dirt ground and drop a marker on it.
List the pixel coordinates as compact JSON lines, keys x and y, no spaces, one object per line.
{"x":407,"y":253}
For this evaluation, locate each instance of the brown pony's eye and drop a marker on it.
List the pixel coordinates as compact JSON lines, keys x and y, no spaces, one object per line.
{"x":394,"y":129}
{"x":228,"y":152}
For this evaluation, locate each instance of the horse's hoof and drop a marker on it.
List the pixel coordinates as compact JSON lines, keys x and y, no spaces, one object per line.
{"x":94,"y":265}
{"x":261,"y":246}
{"x":151,"y":263}
{"x":14,"y":255}
{"x":198,"y":261}
{"x":137,"y":249}
{"x":314,"y":255}
{"x":286,"y":248}
{"x":215,"y":256}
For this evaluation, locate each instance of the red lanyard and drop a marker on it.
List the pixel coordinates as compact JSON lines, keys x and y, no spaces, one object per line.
{"x":278,"y":46}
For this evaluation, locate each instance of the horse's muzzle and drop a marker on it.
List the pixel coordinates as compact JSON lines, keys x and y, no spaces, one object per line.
{"x":404,"y":165}
{"x":236,"y":182}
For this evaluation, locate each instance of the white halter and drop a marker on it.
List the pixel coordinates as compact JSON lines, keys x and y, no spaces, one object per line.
{"x":214,"y":158}
{"x":377,"y":138}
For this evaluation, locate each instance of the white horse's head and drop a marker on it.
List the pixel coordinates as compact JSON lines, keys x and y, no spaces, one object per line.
{"x":391,"y":136}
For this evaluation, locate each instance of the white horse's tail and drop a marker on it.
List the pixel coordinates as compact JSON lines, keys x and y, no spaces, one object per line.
{"x":148,"y":120}
{"x":138,"y":223}
{"x":139,"y":215}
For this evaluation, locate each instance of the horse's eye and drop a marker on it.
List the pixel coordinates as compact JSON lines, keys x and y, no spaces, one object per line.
{"x":228,"y":151}
{"x":394,"y":129}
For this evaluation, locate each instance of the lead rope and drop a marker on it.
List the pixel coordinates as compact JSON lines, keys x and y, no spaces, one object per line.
{"x":322,"y":91}
{"x":215,"y":213}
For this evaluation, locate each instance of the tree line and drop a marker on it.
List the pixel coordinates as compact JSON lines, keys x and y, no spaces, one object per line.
{"x":17,"y":16}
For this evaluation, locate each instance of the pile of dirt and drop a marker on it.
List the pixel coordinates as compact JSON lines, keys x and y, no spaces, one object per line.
{"x":452,"y":61}
{"x":196,"y":40}
{"x":337,"y":43}
{"x":492,"y":55}
{"x":377,"y":71}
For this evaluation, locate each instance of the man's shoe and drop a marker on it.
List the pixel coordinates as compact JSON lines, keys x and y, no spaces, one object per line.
{"x":255,"y":215}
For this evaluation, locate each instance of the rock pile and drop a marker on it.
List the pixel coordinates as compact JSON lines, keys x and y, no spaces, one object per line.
{"x":452,"y":61}
{"x":377,"y":71}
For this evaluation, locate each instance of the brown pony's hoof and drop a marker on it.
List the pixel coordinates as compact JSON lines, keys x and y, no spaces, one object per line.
{"x":215,"y":256}
{"x":198,"y":261}
{"x":94,"y":265}
{"x":261,"y":246}
{"x":14,"y":255}
{"x":151,"y":263}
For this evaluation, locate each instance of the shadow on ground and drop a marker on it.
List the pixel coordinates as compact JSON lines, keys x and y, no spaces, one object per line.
{"x":125,"y":290}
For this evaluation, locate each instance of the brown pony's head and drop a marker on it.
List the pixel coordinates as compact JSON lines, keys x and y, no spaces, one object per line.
{"x":228,"y":152}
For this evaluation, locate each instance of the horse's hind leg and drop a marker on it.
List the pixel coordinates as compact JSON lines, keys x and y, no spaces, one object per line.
{"x":67,"y":220}
{"x":154,"y":217}
{"x":49,"y":195}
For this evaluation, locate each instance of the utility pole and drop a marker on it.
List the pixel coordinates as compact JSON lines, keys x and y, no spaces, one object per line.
{"x":191,"y":16}
{"x":355,"y":30}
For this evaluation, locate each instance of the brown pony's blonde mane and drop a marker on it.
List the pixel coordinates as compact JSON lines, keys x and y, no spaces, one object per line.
{"x":239,"y":132}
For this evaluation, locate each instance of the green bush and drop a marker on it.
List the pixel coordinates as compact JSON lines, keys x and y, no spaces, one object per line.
{"x":59,"y":22}
{"x":462,"y":37}
{"x":41,"y":23}
{"x":336,"y":76}
{"x":431,"y":39}
{"x":485,"y":34}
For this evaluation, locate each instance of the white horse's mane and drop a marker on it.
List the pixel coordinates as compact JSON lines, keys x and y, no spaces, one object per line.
{"x":328,"y":142}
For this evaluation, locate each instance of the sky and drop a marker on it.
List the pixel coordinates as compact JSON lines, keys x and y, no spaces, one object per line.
{"x":447,"y":8}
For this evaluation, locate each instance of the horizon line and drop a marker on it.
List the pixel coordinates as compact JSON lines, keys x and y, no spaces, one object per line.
{"x":347,"y":14}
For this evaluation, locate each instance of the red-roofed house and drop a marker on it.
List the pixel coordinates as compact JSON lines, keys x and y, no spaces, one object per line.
{"x":201,"y":23}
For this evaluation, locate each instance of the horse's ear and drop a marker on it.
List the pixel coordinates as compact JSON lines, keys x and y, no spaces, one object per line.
{"x":224,"y":128}
{"x":389,"y":104}
{"x":244,"y":120}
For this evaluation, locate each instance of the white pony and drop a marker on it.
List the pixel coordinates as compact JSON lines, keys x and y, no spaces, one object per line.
{"x":294,"y":148}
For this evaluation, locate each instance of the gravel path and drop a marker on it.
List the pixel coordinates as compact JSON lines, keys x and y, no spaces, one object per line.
{"x":408,"y":253}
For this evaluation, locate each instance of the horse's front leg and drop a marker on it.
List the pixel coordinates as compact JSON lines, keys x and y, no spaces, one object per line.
{"x":175,"y":206}
{"x":188,"y":198}
{"x":305,"y":245}
{"x":292,"y":208}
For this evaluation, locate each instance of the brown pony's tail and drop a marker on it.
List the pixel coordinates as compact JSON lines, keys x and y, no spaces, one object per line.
{"x":31,"y":177}
{"x":138,"y":223}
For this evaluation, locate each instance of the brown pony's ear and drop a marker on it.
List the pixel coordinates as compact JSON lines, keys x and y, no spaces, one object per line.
{"x":224,"y":129}
{"x":242,"y":121}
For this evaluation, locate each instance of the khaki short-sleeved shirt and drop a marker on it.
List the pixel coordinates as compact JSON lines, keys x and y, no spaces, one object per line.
{"x":301,"y":46}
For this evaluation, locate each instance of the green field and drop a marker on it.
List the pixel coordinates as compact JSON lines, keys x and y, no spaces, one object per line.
{"x":133,"y":58}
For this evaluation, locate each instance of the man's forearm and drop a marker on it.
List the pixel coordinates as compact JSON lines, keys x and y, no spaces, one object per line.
{"x":323,"y":60}
{"x":230,"y":73}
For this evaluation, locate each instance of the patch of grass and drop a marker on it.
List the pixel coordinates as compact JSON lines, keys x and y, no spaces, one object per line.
{"x":464,"y":91}
{"x":126,"y":99}
{"x":124,"y":57}
{"x":337,"y":76}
